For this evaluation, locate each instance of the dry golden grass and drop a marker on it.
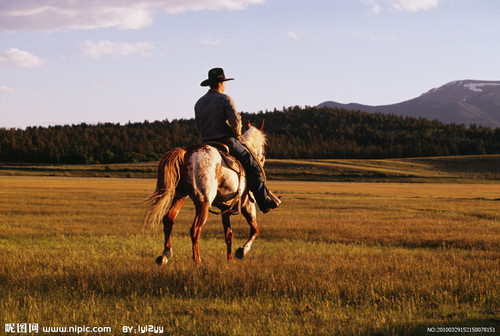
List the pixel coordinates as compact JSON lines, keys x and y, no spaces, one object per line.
{"x":414,"y":215}
{"x":336,"y":258}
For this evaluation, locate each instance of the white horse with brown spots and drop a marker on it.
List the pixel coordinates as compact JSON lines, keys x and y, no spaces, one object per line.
{"x":201,"y":173}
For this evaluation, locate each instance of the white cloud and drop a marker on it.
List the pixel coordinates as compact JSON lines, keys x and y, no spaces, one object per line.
{"x":210,"y":41}
{"x":293,"y":35}
{"x":374,"y":38}
{"x":20,"y":58}
{"x":51,"y":15}
{"x":99,"y":49}
{"x":402,"y":5}
{"x":3,"y":88}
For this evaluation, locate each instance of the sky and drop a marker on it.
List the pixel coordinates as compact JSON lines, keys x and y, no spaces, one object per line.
{"x":95,"y":61}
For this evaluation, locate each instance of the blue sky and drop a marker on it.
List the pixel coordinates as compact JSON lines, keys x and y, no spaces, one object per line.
{"x":67,"y":62}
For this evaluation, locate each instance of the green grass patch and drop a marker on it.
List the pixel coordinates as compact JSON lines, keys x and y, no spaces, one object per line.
{"x":456,"y":169}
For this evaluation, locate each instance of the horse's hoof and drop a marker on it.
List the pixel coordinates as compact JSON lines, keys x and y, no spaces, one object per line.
{"x":168,"y":254}
{"x":239,"y":254}
{"x":161,"y":260}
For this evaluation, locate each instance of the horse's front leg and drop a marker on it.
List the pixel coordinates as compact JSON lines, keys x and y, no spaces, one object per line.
{"x":228,"y":234}
{"x":250,"y":215}
{"x":168,"y":223}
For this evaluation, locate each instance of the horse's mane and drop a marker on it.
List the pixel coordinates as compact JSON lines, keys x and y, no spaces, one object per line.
{"x":255,"y":138}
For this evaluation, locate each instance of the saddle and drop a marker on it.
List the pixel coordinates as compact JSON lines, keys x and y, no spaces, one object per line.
{"x":231,"y":161}
{"x":234,"y":165}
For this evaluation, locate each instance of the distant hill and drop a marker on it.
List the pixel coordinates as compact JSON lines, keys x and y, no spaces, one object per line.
{"x":461,"y":102}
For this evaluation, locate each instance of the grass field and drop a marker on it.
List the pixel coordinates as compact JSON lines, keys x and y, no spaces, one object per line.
{"x":336,"y":258}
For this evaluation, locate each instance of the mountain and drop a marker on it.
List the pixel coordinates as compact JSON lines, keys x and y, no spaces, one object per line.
{"x":461,"y":102}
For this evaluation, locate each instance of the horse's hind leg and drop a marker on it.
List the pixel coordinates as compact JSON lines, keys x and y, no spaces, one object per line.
{"x":228,"y":234}
{"x":250,"y":215}
{"x":202,"y":208}
{"x":168,"y":223}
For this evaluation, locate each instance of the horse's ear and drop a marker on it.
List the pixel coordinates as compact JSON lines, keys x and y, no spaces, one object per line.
{"x":261,"y":125}
{"x":249,"y":124}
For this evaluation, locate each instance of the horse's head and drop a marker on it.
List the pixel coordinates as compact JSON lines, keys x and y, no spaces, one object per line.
{"x":255,"y":139}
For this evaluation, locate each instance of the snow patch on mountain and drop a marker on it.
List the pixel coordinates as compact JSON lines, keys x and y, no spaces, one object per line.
{"x":476,"y":87}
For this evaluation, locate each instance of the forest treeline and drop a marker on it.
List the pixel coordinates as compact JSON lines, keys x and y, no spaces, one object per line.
{"x":293,"y":133}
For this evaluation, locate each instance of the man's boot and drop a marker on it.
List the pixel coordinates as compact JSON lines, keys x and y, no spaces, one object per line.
{"x":266,"y":200}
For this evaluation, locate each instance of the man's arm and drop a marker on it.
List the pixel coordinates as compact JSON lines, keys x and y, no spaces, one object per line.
{"x":233,"y":117}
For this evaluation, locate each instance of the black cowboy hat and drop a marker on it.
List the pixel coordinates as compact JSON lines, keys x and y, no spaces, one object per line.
{"x":215,"y":75}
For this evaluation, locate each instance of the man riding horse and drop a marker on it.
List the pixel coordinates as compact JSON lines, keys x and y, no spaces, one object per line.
{"x":218,"y":121}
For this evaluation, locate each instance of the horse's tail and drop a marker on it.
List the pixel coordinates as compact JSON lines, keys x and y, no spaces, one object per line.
{"x":169,"y":174}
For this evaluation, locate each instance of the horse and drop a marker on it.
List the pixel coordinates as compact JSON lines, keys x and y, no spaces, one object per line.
{"x":201,"y":173}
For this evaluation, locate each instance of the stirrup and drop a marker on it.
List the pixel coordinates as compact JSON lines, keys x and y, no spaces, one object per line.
{"x":273,"y":197}
{"x":276,"y":201}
